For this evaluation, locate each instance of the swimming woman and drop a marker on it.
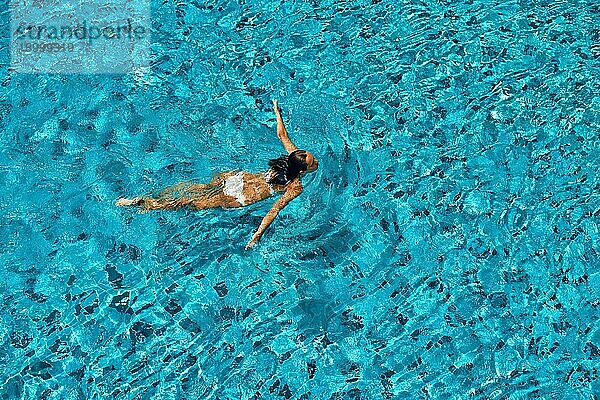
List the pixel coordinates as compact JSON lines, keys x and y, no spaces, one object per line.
{"x":238,"y":188}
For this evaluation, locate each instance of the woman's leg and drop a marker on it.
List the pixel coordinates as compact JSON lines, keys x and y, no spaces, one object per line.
{"x":152,"y":203}
{"x":181,"y":195}
{"x":169,"y":198}
{"x":179,"y":187}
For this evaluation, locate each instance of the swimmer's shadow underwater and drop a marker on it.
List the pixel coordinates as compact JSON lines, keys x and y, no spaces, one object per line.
{"x":235,"y":189}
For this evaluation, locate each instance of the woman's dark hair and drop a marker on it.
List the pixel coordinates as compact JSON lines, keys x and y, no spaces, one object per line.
{"x":287,"y":168}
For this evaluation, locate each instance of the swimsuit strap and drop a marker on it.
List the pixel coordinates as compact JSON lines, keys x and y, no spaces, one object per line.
{"x":267,"y":175}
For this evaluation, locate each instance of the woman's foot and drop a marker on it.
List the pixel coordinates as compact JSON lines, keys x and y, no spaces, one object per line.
{"x":128,"y":202}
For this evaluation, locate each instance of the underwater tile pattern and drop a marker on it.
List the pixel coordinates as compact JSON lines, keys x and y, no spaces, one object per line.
{"x":447,"y":247}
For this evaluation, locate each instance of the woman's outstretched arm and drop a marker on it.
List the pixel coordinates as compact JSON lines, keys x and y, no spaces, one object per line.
{"x":282,"y":132}
{"x":293,"y":190}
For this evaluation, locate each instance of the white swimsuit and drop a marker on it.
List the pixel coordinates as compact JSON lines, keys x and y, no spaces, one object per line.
{"x":234,"y":186}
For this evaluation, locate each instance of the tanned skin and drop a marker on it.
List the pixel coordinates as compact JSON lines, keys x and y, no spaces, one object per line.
{"x":255,"y":188}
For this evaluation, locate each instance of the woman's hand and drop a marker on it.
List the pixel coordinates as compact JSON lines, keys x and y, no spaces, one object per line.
{"x":251,"y":244}
{"x":275,"y":106}
{"x":293,"y":190}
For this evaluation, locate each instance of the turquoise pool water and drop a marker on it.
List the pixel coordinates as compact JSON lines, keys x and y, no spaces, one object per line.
{"x":447,"y":247}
